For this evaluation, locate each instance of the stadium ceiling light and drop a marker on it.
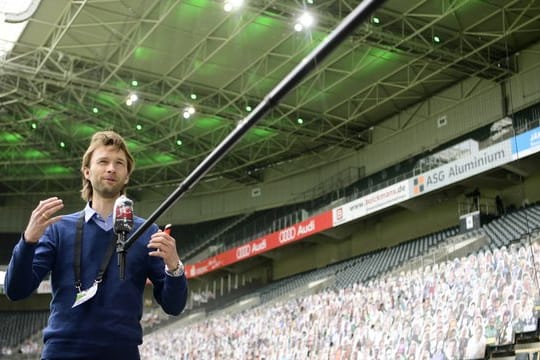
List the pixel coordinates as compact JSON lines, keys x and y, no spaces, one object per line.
{"x":188,"y":111}
{"x":304,"y":21}
{"x":132,"y":99}
{"x":230,"y":5}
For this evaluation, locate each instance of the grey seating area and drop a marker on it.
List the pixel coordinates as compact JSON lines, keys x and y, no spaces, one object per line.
{"x":238,"y":230}
{"x":208,"y":239}
{"x":359,"y":269}
{"x":17,"y":326}
{"x":383,"y":261}
{"x":289,"y":285}
{"x":512,"y":226}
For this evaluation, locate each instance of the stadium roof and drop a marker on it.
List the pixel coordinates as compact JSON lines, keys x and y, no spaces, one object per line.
{"x":77,"y":63}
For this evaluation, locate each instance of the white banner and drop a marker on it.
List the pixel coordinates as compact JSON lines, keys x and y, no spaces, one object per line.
{"x":380,"y":199}
{"x":349,"y":211}
{"x":388,"y":196}
{"x":457,"y":170}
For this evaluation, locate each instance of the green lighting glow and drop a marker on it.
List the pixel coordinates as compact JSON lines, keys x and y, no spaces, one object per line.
{"x":56,"y":170}
{"x":154,"y":112}
{"x":179,"y":142}
{"x":163,"y":158}
{"x":138,"y":127}
{"x":34,"y":154}
{"x":83,"y":130}
{"x":208,"y":123}
{"x":194,"y":7}
{"x":248,"y":108}
{"x":106,"y":98}
{"x":262,"y":132}
{"x":437,"y":39}
{"x":262,"y":23}
{"x":62,"y":144}
{"x":134,"y":83}
{"x":40,"y":114}
{"x":193,"y":96}
{"x":34,"y":125}
{"x":10,"y":137}
{"x":95,"y":110}
{"x":376,"y":20}
{"x":133,"y":145}
{"x":300,"y":121}
{"x":121,"y":84}
{"x":142,"y":53}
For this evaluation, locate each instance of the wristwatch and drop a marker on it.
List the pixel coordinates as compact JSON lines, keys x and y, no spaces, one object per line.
{"x":179,"y":271}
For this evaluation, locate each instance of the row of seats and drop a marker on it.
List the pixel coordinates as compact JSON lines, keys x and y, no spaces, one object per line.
{"x":17,"y":326}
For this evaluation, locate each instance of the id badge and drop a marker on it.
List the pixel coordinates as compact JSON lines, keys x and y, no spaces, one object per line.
{"x":85,"y":295}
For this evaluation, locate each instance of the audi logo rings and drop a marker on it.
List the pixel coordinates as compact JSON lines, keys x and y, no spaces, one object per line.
{"x":287,"y":235}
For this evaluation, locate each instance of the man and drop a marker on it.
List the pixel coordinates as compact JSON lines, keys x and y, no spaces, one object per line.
{"x":95,"y":314}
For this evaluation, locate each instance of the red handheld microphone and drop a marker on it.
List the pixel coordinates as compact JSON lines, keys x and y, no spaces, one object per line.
{"x":167,"y":229}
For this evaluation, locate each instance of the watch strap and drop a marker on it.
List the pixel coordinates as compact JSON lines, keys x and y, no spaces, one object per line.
{"x":179,"y":271}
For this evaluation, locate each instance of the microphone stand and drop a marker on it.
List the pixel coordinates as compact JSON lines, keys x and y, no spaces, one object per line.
{"x":121,"y":252}
{"x":311,"y":61}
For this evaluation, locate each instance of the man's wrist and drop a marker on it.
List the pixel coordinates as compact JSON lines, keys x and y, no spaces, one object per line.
{"x":177,"y":271}
{"x":23,"y":237}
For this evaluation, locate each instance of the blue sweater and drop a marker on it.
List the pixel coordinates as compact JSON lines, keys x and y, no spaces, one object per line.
{"x":109,"y":322}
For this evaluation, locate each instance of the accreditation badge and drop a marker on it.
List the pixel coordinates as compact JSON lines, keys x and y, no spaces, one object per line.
{"x":85,"y":295}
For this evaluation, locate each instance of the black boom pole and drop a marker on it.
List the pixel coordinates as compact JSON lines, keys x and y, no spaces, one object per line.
{"x":311,"y":61}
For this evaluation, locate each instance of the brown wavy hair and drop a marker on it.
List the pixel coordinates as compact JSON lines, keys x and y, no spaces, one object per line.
{"x":103,"y":138}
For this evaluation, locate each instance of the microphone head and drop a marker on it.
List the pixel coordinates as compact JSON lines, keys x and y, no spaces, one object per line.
{"x":123,"y":215}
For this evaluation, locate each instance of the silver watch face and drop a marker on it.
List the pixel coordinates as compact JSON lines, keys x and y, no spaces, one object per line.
{"x":179,"y":269}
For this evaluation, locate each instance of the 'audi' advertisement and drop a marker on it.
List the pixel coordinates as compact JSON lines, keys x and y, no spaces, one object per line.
{"x":271,"y":241}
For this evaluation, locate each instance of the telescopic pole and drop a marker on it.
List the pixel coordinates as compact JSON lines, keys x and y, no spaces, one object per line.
{"x":311,"y":61}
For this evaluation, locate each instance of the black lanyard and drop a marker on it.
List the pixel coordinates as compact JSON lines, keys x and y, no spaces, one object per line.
{"x":78,"y":254}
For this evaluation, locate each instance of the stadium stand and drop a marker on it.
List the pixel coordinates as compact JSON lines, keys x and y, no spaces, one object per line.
{"x":454,"y":308}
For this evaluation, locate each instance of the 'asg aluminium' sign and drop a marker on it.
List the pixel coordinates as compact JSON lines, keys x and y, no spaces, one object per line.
{"x":457,"y":170}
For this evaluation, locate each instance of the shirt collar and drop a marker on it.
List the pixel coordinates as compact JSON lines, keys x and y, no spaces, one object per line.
{"x":89,"y":213}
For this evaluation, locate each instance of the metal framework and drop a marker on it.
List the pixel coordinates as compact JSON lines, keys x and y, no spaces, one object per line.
{"x":77,"y":55}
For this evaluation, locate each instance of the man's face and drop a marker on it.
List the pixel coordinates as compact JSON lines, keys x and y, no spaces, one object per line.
{"x":107,"y":171}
